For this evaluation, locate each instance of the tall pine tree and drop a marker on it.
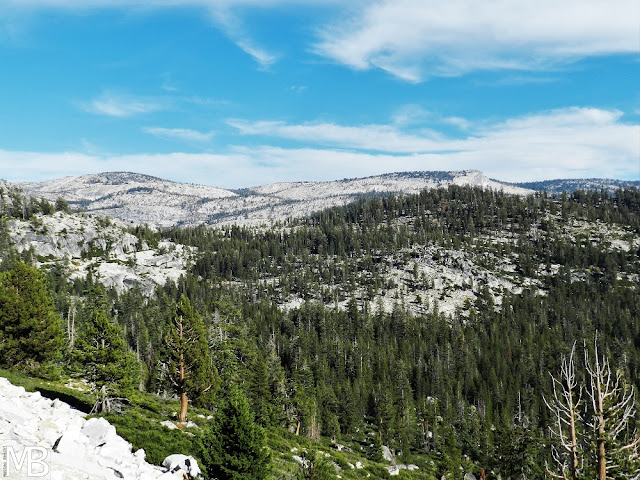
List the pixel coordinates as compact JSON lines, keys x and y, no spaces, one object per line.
{"x":190,"y":369}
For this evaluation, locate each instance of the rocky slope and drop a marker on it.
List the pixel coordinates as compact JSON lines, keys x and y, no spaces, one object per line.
{"x":48,"y":439}
{"x":106,"y":248}
{"x":145,"y":199}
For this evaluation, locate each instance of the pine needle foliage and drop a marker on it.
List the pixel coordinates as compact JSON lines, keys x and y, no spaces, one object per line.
{"x":233,"y":448}
{"x":189,"y":365}
{"x":102,"y":358}
{"x":30,"y":329}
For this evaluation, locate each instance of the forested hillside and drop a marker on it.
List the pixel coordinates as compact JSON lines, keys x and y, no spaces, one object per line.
{"x":428,"y":323}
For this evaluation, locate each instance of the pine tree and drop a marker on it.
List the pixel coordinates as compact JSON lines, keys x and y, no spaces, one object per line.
{"x":101,"y":357}
{"x":189,"y":363}
{"x":30,"y":330}
{"x":233,"y":448}
{"x":259,"y":391}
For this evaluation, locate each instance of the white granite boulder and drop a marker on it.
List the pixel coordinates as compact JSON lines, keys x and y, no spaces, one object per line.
{"x":182,"y":463}
{"x":76,"y":448}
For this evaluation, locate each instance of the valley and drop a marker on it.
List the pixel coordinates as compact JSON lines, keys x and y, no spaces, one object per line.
{"x":418,"y":329}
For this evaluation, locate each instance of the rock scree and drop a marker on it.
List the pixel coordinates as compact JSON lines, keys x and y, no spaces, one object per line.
{"x":48,"y":439}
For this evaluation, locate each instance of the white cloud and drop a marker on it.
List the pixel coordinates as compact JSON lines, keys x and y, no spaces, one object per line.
{"x":566,"y":143}
{"x":260,"y":55}
{"x":180,"y":134}
{"x":414,"y":39}
{"x":232,"y":26}
{"x":118,"y":105}
{"x":368,"y":137}
{"x":573,"y":141}
{"x":411,"y":115}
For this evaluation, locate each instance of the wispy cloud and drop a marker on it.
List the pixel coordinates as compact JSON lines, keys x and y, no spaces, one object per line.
{"x":571,"y":141}
{"x":367,"y":137}
{"x":412,"y":114}
{"x":167,"y":83}
{"x":231,"y":24}
{"x":566,"y":143}
{"x":121,"y":105}
{"x":222,"y":12}
{"x":184,"y":134}
{"x":415,"y":39}
{"x":262,"y":56}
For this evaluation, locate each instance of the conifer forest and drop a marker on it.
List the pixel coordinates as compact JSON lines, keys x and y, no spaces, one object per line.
{"x":336,"y":329}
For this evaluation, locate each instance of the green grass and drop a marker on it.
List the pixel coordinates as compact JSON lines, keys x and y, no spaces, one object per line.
{"x":157,"y":440}
{"x":139,"y":423}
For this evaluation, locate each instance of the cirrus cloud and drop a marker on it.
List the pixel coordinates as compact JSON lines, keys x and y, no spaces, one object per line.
{"x":414,"y":39}
{"x":120,"y":105}
{"x":185,"y":134}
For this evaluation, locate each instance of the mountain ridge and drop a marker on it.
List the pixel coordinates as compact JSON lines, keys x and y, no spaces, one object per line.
{"x":142,"y":198}
{"x":146,"y":199}
{"x":557,"y":186}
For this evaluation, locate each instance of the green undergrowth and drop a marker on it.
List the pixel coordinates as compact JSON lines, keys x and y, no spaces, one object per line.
{"x":139,"y":422}
{"x":157,"y":440}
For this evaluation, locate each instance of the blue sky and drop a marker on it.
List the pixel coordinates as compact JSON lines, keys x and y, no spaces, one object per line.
{"x":236,"y":93}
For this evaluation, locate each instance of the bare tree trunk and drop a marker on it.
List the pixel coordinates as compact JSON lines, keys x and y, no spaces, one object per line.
{"x":313,"y":429}
{"x":182,"y":418}
{"x":600,"y":441}
{"x":567,"y":397}
{"x":71,"y":325}
{"x":103,"y":405}
{"x":574,"y":445}
{"x":613,"y":404}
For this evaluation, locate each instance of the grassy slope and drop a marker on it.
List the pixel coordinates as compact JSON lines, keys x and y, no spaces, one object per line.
{"x":139,"y":423}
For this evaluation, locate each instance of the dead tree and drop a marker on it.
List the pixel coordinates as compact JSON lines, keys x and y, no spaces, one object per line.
{"x":612,"y":405}
{"x":565,"y":407}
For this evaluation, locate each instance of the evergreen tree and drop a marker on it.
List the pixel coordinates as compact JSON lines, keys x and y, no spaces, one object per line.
{"x":259,"y":391}
{"x":233,"y":448}
{"x":101,"y":357}
{"x":30,"y":330}
{"x":189,"y":363}
{"x":315,"y":466}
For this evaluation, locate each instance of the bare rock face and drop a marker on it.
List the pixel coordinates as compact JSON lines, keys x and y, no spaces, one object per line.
{"x":84,"y":243}
{"x":49,"y":439}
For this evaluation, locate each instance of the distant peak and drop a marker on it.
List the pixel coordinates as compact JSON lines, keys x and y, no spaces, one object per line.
{"x":117,"y":178}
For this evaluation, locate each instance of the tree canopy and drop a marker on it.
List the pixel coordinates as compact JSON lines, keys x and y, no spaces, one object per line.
{"x":30,"y":329}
